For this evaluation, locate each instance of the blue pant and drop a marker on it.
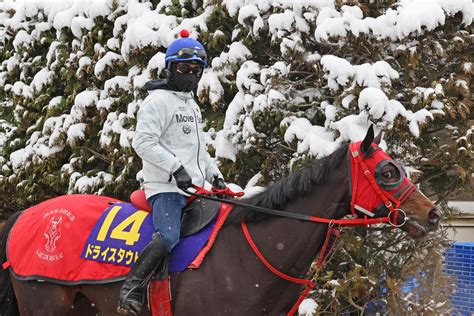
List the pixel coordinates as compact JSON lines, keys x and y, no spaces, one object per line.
{"x":167,"y":209}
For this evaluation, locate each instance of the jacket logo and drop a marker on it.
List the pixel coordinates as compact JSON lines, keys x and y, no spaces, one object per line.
{"x":186,"y":129}
{"x":180,"y":118}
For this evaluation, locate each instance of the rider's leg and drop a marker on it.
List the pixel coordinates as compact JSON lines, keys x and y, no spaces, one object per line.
{"x":167,"y":221}
{"x":167,"y":209}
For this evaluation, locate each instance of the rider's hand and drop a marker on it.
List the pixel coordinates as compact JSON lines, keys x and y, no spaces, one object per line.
{"x":218,"y":183}
{"x":183,"y":180}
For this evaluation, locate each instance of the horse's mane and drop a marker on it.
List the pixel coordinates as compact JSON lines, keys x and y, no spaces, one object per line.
{"x":296,"y":185}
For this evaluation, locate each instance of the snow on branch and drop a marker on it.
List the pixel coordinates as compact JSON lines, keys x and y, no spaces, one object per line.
{"x":410,"y":17}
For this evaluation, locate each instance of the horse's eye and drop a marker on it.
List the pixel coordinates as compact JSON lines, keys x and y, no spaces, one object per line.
{"x":389,"y":173}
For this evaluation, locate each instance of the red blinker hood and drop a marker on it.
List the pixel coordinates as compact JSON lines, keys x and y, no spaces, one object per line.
{"x":369,"y":195}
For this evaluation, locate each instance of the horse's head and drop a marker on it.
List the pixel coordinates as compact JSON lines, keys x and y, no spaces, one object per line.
{"x":380,"y":188}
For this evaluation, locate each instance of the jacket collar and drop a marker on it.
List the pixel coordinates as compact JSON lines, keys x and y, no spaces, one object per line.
{"x":182,"y":95}
{"x":162,"y":84}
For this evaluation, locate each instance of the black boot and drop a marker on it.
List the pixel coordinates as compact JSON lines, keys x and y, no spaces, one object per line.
{"x":132,"y":294}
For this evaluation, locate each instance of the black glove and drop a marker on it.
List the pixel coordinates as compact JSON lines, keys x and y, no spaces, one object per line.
{"x":218,"y":183}
{"x":183,"y":180}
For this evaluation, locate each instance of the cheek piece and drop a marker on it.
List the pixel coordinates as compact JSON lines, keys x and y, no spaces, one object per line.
{"x":369,"y":193}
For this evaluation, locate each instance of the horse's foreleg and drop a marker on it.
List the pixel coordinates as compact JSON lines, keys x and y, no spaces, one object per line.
{"x":42,"y":298}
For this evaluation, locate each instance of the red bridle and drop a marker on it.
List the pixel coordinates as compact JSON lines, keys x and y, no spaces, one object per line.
{"x":368,"y":196}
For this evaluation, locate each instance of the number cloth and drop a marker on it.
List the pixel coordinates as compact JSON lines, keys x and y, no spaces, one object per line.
{"x":71,"y":239}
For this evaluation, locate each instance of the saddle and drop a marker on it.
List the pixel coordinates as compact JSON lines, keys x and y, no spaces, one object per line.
{"x":195,"y":215}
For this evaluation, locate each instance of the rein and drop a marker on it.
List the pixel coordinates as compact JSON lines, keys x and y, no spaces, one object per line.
{"x":208,"y":195}
{"x":357,"y":162}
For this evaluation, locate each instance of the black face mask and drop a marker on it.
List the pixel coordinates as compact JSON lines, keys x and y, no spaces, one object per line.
{"x":182,"y":82}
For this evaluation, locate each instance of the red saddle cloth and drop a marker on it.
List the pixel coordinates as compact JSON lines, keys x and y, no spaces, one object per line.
{"x":47,"y":240}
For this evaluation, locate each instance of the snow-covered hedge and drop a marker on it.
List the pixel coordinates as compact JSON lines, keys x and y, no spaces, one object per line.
{"x":288,"y":80}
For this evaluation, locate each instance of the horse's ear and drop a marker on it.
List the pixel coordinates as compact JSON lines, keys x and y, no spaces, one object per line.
{"x":368,"y":139}
{"x":378,"y":138}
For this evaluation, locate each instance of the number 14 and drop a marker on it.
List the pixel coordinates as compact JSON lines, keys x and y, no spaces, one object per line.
{"x":119,"y":232}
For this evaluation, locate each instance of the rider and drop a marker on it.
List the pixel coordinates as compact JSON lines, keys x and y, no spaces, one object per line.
{"x":170,"y":140}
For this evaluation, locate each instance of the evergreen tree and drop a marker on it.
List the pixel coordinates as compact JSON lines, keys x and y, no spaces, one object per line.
{"x":287,"y":82}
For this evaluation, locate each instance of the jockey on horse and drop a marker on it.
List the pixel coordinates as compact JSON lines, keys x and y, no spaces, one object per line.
{"x":170,"y":140}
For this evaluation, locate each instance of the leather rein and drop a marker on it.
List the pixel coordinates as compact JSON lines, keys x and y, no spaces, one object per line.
{"x":209,"y":195}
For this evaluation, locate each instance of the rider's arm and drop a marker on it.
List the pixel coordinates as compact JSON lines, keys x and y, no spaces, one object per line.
{"x":153,"y":118}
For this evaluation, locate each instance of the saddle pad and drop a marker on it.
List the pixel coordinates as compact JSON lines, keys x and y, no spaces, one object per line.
{"x":72,"y":239}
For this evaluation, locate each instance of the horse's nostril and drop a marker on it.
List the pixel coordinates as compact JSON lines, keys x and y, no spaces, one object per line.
{"x":434,"y":216}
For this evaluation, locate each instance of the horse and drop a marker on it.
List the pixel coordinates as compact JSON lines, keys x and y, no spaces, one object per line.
{"x":238,"y":279}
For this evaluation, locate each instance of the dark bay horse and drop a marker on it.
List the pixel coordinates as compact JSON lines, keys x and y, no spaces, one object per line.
{"x":232,"y":280}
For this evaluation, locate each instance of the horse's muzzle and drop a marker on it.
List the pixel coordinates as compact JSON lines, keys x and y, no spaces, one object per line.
{"x":434,"y":216}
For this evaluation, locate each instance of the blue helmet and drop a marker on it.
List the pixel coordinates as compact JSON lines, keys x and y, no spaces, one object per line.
{"x":186,"y":49}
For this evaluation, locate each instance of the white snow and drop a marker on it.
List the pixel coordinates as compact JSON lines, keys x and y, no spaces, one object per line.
{"x":374,"y":100}
{"x":78,"y":23}
{"x":307,"y":307}
{"x":117,"y":82}
{"x":86,"y":98}
{"x":22,"y":39}
{"x":84,"y":184}
{"x":315,"y":139}
{"x":245,"y":76}
{"x":251,"y":14}
{"x":42,"y":78}
{"x":75,"y":131}
{"x":106,"y":61}
{"x":211,"y":85}
{"x":363,"y":88}
{"x":225,"y":148}
{"x":340,"y":71}
{"x":410,"y":17}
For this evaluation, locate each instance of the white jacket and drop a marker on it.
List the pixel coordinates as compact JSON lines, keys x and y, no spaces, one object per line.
{"x":169,"y":134}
